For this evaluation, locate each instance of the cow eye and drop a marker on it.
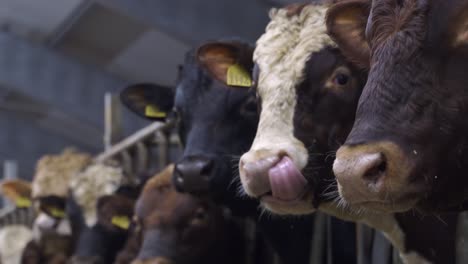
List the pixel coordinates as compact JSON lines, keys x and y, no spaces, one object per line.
{"x":341,"y":79}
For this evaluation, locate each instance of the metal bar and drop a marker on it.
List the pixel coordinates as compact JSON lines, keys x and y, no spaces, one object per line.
{"x":112,"y":120}
{"x":364,"y":237}
{"x":10,"y":172}
{"x":163,"y":148}
{"x":130,"y":141}
{"x":318,"y":238}
{"x":329,"y":240}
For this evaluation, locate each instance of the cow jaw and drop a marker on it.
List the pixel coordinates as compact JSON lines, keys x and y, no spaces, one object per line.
{"x":276,"y":158}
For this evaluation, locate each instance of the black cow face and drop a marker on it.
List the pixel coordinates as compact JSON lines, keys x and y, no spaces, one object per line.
{"x":101,"y":242}
{"x":216,"y":122}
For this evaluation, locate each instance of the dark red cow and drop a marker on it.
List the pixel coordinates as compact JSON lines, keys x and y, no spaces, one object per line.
{"x":178,"y":228}
{"x":408,"y":145}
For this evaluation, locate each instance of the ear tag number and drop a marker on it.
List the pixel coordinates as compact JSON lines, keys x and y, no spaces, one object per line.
{"x":56,"y":212}
{"x":23,"y":202}
{"x":238,"y":76}
{"x":122,"y":222}
{"x":153,"y":111}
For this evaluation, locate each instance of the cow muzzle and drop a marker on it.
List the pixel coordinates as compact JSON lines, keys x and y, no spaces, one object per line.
{"x":374,"y":176}
{"x":275,"y":179}
{"x":193,"y":174}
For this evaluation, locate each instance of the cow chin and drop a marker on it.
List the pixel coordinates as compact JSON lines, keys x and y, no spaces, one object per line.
{"x":300,"y":206}
{"x":390,"y":203}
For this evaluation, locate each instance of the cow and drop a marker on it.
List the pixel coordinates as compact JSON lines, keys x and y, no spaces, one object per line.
{"x":407,"y":147}
{"x":216,"y":123}
{"x":100,"y":207}
{"x":172,"y":227}
{"x":15,"y":236}
{"x":53,"y":241}
{"x":308,"y":93}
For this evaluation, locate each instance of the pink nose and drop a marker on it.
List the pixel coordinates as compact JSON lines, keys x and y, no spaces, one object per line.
{"x":371,"y":172}
{"x":254,"y":175}
{"x":368,"y":167}
{"x":276,"y":176}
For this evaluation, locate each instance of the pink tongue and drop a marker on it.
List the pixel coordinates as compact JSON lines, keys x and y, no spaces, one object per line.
{"x":287,"y":182}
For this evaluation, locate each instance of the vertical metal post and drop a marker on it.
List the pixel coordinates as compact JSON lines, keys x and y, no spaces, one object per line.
{"x":461,"y":240}
{"x":10,"y":172}
{"x":365,"y":238}
{"x":162,"y":138}
{"x":319,"y":236}
{"x":112,"y":120}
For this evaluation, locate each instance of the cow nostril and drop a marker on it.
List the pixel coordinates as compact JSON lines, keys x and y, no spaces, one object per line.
{"x":376,"y":168}
{"x":207,"y":168}
{"x":193,"y":174}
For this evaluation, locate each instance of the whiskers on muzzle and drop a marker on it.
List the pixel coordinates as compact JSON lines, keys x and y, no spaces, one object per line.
{"x":235,"y":182}
{"x":331,"y":192}
{"x":344,"y":206}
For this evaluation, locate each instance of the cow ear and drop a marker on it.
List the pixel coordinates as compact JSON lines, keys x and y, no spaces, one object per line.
{"x":115,"y":211}
{"x":228,"y":63}
{"x":147,"y":100}
{"x":346,"y":24}
{"x":18,"y":192}
{"x":53,"y":206}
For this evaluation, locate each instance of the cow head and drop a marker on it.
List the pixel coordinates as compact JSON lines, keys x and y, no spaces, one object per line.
{"x":407,"y":145}
{"x":101,"y":242}
{"x":52,"y":230}
{"x":308,"y":94}
{"x":216,"y":122}
{"x":100,"y":207}
{"x":177,"y":227}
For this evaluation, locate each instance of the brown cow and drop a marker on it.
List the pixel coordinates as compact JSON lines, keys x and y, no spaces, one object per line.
{"x":179,"y":228}
{"x":407,"y":147}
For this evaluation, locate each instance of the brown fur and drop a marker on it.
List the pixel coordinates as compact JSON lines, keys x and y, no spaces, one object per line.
{"x":114,"y":205}
{"x":217,"y":58}
{"x":415,"y":98}
{"x":161,"y":209}
{"x":14,"y":189}
{"x":52,"y":248}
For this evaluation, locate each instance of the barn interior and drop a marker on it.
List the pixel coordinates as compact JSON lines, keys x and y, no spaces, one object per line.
{"x":63,"y":65}
{"x":59,"y":58}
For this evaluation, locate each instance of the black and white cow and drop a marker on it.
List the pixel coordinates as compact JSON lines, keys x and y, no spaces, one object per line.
{"x":216,"y":124}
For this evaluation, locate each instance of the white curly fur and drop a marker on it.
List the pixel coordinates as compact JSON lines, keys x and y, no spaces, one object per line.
{"x":95,"y":181}
{"x":281,"y":54}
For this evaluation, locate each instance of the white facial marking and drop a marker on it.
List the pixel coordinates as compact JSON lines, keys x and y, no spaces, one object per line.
{"x":281,"y":54}
{"x":13,"y":240}
{"x":88,"y":186}
{"x":54,"y":172}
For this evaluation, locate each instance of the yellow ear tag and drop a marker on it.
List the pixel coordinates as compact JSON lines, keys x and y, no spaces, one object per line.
{"x":57,"y":213}
{"x":121,"y":222}
{"x":238,"y":76}
{"x":153,"y":111}
{"x":23,"y":202}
